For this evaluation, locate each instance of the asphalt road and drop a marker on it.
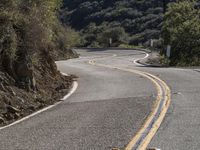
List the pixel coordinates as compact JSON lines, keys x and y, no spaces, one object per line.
{"x":110,"y":106}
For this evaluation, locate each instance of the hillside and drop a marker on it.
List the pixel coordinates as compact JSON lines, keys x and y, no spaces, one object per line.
{"x":31,"y":39}
{"x":141,"y":19}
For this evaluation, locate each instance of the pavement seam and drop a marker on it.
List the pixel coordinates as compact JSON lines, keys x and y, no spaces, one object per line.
{"x":72,"y":90}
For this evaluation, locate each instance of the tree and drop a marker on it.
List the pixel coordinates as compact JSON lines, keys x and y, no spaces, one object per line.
{"x":181,"y":29}
{"x":134,"y":16}
{"x":117,"y":35}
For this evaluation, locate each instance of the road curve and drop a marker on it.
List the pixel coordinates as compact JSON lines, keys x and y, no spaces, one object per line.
{"x":143,"y":137}
{"x":110,"y":106}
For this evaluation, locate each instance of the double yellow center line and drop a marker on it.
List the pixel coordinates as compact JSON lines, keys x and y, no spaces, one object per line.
{"x":143,"y":137}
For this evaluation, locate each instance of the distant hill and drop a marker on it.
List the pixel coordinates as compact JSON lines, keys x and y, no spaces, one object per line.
{"x":141,"y":19}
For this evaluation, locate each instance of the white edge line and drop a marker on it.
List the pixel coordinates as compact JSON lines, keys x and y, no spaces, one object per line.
{"x":73,"y":89}
{"x":136,"y":60}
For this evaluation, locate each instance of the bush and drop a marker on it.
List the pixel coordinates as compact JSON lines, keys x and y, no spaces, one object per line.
{"x":117,"y":35}
{"x":182,"y":31}
{"x":28,"y":31}
{"x":134,"y":16}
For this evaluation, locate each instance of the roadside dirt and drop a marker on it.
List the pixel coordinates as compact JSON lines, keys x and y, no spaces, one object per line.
{"x":16,"y":103}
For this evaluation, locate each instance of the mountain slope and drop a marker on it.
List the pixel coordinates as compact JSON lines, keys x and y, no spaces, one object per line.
{"x":141,"y":19}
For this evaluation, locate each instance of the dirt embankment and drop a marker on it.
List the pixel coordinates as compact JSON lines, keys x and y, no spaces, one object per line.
{"x":17,"y":102}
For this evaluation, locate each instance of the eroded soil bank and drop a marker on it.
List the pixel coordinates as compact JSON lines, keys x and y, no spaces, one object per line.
{"x":16,"y":101}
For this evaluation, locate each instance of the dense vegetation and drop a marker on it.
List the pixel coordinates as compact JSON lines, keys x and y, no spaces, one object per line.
{"x":125,"y":21}
{"x":137,"y":21}
{"x":30,"y":33}
{"x":181,"y":30}
{"x":31,"y":37}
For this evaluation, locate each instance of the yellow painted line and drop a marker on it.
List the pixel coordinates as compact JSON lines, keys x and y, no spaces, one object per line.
{"x":156,"y":81}
{"x":158,"y":122}
{"x":149,"y":119}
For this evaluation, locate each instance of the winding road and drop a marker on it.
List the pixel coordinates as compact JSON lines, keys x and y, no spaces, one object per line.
{"x":118,"y":104}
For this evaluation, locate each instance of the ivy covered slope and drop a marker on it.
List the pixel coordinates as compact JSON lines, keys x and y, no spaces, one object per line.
{"x":136,"y":20}
{"x":31,"y":37}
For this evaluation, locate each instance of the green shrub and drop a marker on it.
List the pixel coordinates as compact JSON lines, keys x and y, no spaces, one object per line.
{"x":116,"y":35}
{"x":181,"y":30}
{"x":136,"y":17}
{"x":31,"y":30}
